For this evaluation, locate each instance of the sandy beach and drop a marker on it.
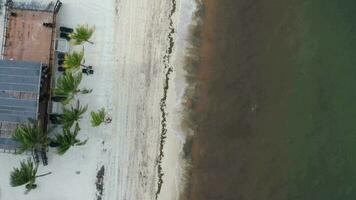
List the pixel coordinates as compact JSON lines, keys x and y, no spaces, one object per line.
{"x":134,"y":58}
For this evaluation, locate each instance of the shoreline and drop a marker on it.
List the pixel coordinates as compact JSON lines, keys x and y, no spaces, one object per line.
{"x":196,"y":96}
{"x":172,"y":163}
{"x":147,"y":163}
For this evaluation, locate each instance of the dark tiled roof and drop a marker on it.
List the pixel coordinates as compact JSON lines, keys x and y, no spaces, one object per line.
{"x":19,"y":90}
{"x":8,"y":143}
{"x":34,"y":5}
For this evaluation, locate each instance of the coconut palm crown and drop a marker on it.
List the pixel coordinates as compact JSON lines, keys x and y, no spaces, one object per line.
{"x":68,"y":139}
{"x":72,"y":115}
{"x":26,"y":174}
{"x":67,"y":86}
{"x":73,"y":60}
{"x":81,"y":34}
{"x":98,"y":117}
{"x":31,"y":137}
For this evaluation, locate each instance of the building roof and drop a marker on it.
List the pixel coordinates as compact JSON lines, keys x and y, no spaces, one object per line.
{"x":38,"y":5}
{"x":27,"y":38}
{"x":8,"y":143}
{"x":19,"y":90}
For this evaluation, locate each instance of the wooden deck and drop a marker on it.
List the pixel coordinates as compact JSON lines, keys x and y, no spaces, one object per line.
{"x":27,"y":39}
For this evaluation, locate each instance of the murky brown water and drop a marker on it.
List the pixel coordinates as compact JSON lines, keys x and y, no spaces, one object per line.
{"x":262,"y":97}
{"x":225,"y":152}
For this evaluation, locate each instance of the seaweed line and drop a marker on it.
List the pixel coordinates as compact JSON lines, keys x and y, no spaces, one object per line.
{"x":169,"y":68}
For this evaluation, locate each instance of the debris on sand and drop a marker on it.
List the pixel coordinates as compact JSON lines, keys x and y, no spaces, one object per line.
{"x":100,"y":183}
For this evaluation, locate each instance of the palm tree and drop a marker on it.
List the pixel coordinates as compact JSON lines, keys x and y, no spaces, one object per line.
{"x":31,"y":137}
{"x":72,"y":115}
{"x":98,"y":117}
{"x":82,"y":34}
{"x":67,"y":86}
{"x":72,"y":61}
{"x":26,"y":174}
{"x":68,"y":139}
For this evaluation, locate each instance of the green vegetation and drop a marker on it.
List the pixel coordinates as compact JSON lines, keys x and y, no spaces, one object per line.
{"x":68,"y":139}
{"x":73,"y":60}
{"x":31,"y":137}
{"x":67,"y":86}
{"x":26,"y":174}
{"x":82,"y":34}
{"x":98,"y":117}
{"x":72,"y":115}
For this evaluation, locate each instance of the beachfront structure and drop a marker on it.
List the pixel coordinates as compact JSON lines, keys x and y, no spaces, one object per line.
{"x":29,"y":31}
{"x":25,"y":69}
{"x":19,"y":96}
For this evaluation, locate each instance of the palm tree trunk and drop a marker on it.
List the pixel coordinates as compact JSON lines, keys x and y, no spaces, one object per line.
{"x":35,"y":156}
{"x":45,"y":174}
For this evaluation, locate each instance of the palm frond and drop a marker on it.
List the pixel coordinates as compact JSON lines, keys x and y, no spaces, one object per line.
{"x":86,"y":91}
{"x":68,"y":139}
{"x":82,"y":34}
{"x":65,"y":141}
{"x":67,"y":86}
{"x":98,"y":117}
{"x":81,"y":143}
{"x":30,"y":135}
{"x":72,"y":115}
{"x":73,"y":61}
{"x":25,"y":174}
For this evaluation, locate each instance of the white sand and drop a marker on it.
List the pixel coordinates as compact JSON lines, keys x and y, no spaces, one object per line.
{"x":130,"y":42}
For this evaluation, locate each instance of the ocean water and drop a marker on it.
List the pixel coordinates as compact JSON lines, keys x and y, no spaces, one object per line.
{"x":274,"y":103}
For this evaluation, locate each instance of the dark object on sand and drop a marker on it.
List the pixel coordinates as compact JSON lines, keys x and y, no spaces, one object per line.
{"x":60,"y":62}
{"x":66,"y":29}
{"x":55,"y":118}
{"x":108,"y":120}
{"x":87,"y":71}
{"x":58,"y":98}
{"x":60,"y":55}
{"x":54,"y":144}
{"x":61,"y":69}
{"x":100,"y":183}
{"x":64,"y":36}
